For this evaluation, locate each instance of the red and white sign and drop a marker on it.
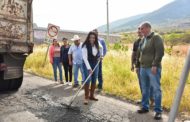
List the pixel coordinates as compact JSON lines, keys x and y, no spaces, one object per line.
{"x":52,"y":31}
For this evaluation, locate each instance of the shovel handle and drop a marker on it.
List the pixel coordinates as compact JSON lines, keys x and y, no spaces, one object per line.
{"x":74,"y":97}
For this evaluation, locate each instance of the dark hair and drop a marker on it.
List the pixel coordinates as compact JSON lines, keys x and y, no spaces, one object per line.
{"x":64,"y":39}
{"x":58,"y":44}
{"x":87,"y":41}
{"x":96,"y":31}
{"x":54,"y":40}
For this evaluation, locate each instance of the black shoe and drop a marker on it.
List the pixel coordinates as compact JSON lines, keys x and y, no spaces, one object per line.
{"x":99,"y":86}
{"x":142,"y":111}
{"x":158,"y":116}
{"x":75,"y":86}
{"x":139,"y":102}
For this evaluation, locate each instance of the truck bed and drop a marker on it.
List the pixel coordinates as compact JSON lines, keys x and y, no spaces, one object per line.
{"x":16,"y":34}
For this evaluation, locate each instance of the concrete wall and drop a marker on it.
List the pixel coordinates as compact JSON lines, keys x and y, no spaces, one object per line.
{"x":40,"y":34}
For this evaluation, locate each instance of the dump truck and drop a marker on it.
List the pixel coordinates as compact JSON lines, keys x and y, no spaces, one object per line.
{"x":16,"y":41}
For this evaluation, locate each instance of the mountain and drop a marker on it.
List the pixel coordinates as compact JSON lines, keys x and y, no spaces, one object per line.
{"x":173,"y":15}
{"x":118,"y":23}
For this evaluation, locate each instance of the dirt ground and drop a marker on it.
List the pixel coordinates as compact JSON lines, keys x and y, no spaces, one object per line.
{"x":42,"y":100}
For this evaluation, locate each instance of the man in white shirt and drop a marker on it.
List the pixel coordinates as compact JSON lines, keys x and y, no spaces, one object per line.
{"x":75,"y":59}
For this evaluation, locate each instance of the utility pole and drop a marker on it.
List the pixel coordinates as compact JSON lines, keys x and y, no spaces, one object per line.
{"x":108,"y":30}
{"x":180,"y":90}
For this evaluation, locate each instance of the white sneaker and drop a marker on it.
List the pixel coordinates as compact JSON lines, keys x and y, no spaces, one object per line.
{"x":70,"y":83}
{"x":66,"y":83}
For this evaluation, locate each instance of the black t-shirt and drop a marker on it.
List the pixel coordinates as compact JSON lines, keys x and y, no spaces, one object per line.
{"x":136,"y":45}
{"x":64,"y":54}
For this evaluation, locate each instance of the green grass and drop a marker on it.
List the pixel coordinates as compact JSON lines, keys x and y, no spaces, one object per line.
{"x":119,"y":80}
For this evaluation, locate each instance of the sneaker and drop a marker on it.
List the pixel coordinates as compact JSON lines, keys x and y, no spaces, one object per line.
{"x":61,"y":82}
{"x":142,"y":111}
{"x":66,"y":83}
{"x":70,"y":83}
{"x":158,"y":116}
{"x":139,"y":102}
{"x":99,"y":87}
{"x":75,"y":85}
{"x":99,"y":90}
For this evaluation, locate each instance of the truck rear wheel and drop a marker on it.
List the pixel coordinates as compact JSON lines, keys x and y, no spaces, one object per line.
{"x":15,"y":84}
{"x":11,"y":85}
{"x":11,"y":79}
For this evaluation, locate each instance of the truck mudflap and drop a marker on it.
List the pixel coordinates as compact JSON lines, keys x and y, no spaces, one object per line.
{"x":14,"y":65}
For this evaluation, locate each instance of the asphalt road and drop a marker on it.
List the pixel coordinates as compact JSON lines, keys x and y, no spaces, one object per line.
{"x":42,"y":100}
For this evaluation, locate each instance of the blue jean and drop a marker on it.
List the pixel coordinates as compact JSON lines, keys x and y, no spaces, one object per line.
{"x":57,"y":64}
{"x":76,"y":68}
{"x":149,"y":80}
{"x":138,"y":75}
{"x":100,"y":76}
{"x":140,"y":85}
{"x":94,"y":76}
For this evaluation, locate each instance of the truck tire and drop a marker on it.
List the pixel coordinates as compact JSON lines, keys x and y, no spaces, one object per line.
{"x":11,"y":84}
{"x":15,"y":84}
{"x":4,"y":85}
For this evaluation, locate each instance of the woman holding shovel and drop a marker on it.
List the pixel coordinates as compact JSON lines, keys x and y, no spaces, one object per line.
{"x":92,"y":52}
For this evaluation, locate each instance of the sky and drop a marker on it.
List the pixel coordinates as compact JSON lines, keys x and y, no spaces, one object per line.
{"x":85,"y":15}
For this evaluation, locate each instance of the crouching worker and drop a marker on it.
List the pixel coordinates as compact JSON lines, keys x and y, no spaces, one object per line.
{"x":92,"y":52}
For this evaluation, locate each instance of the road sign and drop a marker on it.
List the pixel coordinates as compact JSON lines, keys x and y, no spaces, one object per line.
{"x":52,"y":33}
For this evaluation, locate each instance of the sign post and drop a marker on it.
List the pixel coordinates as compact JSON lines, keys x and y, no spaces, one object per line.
{"x":179,"y":93}
{"x":52,"y":33}
{"x":108,"y":29}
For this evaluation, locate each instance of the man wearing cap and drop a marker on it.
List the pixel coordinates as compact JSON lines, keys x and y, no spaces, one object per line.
{"x":100,"y":75}
{"x":150,"y":53}
{"x":75,"y":59}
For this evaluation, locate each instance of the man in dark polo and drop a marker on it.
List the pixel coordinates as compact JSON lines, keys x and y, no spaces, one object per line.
{"x":149,"y":55}
{"x":134,"y":55}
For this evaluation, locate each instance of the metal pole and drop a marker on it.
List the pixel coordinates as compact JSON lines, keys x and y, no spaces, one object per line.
{"x":108,"y":30}
{"x":46,"y":56}
{"x":179,"y":93}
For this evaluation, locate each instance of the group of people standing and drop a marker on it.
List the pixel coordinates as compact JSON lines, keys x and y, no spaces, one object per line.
{"x":147,"y":55}
{"x":80,"y":56}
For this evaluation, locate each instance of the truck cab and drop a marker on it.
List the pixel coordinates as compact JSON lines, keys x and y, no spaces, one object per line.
{"x":16,"y":41}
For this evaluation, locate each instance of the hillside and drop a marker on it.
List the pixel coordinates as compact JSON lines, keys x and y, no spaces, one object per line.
{"x":171,"y":16}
